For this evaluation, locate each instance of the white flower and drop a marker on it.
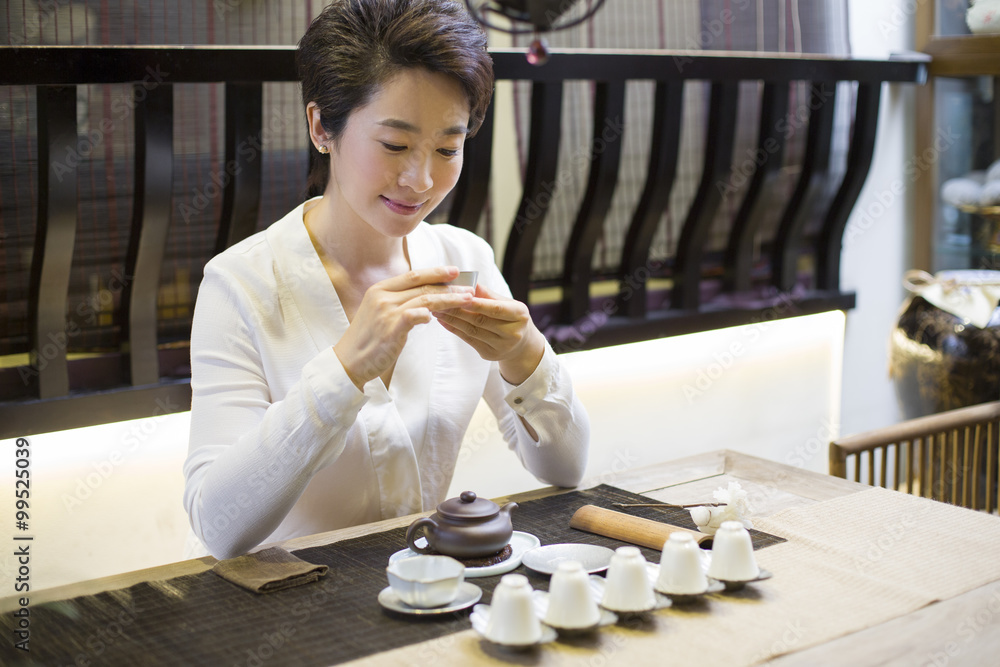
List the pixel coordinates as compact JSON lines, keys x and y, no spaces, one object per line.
{"x":734,"y":506}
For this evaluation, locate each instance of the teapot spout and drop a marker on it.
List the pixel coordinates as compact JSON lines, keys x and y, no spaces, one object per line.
{"x":508,"y":508}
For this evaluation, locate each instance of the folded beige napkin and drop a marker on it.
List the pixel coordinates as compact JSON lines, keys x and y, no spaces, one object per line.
{"x":271,"y":569}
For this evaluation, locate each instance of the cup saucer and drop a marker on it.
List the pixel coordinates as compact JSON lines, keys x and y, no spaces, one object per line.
{"x":714,"y":586}
{"x":546,"y":559}
{"x":684,"y":598}
{"x":480,"y":618}
{"x":520,"y":543}
{"x":468,"y":595}
{"x":732,"y":585}
{"x":540,"y":600}
{"x":660,"y":601}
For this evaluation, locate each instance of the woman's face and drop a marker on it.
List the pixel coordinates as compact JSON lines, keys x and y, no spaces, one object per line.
{"x":400,"y":154}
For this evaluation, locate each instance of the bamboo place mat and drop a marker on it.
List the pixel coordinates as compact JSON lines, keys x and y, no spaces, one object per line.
{"x":203,"y":619}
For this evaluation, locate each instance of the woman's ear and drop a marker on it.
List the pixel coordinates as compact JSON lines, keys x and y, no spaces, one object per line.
{"x":317,"y":134}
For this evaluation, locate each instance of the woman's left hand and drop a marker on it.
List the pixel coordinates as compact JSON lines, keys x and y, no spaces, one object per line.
{"x":500,"y":330}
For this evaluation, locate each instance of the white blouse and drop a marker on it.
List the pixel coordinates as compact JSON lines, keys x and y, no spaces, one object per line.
{"x":282,"y":442}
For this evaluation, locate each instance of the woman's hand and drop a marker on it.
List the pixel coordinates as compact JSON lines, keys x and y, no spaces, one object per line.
{"x":388,"y":310}
{"x":500,"y":330}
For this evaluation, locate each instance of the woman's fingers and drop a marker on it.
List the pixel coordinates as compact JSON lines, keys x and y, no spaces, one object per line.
{"x":472,"y":327}
{"x":388,"y":311}
{"x":425,"y":288}
{"x":437,"y":275}
{"x":495,"y":327}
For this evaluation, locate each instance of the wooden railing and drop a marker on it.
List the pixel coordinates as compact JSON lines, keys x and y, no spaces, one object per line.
{"x":952,"y":456}
{"x":133,"y":376}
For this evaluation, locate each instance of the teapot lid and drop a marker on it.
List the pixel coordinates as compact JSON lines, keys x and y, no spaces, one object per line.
{"x":468,"y":506}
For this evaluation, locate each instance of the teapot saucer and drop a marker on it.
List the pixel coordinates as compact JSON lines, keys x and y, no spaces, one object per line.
{"x":519,"y":543}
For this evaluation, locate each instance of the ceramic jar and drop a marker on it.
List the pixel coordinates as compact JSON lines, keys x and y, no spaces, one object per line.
{"x":945,"y":348}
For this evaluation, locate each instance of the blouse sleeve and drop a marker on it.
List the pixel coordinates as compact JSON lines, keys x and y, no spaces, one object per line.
{"x":547,"y":402}
{"x":250,"y":459}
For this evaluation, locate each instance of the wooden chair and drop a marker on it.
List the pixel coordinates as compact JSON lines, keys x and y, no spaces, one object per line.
{"x":953,"y":456}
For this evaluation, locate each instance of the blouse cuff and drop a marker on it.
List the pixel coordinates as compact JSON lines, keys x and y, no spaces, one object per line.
{"x":334,"y":391}
{"x":537,"y":388}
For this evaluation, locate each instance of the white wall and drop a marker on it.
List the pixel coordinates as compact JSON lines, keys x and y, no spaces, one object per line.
{"x":104,"y":499}
{"x":877,"y":247}
{"x":770,"y":389}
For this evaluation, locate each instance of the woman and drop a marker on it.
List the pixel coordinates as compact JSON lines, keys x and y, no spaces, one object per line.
{"x":334,"y":370}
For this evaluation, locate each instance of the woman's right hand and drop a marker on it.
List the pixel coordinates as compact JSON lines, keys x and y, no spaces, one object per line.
{"x":389,"y":309}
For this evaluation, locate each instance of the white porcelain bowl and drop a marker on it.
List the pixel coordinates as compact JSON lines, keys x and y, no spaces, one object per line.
{"x":426,"y":581}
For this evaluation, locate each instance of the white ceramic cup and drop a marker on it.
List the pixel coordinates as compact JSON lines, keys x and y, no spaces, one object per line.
{"x":466,"y":279}
{"x":627,"y":585}
{"x":512,"y":614}
{"x":571,"y":603}
{"x":732,"y":554}
{"x":426,"y":581}
{"x":680,"y":566}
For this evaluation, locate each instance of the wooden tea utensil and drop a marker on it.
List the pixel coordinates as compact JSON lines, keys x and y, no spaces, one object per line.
{"x":628,"y":528}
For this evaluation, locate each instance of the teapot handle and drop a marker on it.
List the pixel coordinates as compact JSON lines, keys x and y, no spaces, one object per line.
{"x":413,"y":532}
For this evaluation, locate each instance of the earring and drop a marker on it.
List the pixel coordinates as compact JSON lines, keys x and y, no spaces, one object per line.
{"x":323,"y":148}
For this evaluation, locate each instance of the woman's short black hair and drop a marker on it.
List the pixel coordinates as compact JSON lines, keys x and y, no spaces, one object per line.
{"x":355,"y":46}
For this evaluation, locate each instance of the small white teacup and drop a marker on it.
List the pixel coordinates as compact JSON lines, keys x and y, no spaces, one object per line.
{"x":628,"y":587}
{"x":512,"y":614}
{"x":732,"y":554}
{"x":426,"y":581}
{"x":571,"y":602}
{"x":466,"y":279}
{"x":680,"y":567}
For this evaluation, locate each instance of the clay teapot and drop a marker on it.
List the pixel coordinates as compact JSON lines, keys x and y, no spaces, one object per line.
{"x":464,"y":527}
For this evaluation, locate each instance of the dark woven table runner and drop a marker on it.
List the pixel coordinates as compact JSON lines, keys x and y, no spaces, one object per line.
{"x":204,"y":620}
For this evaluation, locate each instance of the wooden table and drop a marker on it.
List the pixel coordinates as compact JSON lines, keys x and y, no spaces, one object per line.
{"x":917,"y":638}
